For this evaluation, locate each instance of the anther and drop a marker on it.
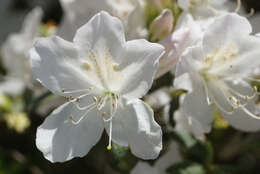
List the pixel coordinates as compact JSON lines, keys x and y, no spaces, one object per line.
{"x":109,"y":147}
{"x":246,"y":98}
{"x":77,"y":99}
{"x":233,"y":108}
{"x":86,"y":65}
{"x":95,"y":99}
{"x":255,"y":89}
{"x":71,"y":117}
{"x":71,"y":98}
{"x":230,"y":97}
{"x":115,"y":67}
{"x":63,"y":90}
{"x":104,"y":115}
{"x":113,"y":105}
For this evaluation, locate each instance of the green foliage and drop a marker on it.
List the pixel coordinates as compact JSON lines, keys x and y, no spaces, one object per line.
{"x":186,"y":167}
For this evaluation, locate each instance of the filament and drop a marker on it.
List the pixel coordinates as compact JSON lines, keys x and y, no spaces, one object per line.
{"x":82,"y":117}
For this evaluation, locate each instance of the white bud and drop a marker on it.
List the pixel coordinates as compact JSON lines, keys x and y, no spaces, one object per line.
{"x":162,"y":25}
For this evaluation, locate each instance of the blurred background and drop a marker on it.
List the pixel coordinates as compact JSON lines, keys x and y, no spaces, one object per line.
{"x":226,"y":151}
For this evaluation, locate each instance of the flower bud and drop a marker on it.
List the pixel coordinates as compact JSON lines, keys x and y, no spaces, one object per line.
{"x":174,"y":45}
{"x":162,"y":25}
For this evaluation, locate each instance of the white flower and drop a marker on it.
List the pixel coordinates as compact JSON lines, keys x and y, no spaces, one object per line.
{"x":15,"y":54}
{"x":136,"y":22}
{"x":78,"y":12}
{"x":188,"y":32}
{"x":103,"y":76}
{"x":203,"y":8}
{"x":215,"y":73}
{"x":170,"y":157}
{"x":187,"y":122}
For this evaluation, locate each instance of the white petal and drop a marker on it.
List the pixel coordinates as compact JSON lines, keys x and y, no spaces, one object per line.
{"x":144,"y":168}
{"x":174,"y":45}
{"x":136,"y":22}
{"x":171,"y":156}
{"x":188,"y":123}
{"x":102,"y":30}
{"x":139,"y":64}
{"x":184,"y":4}
{"x":143,"y":133}
{"x":187,"y":69}
{"x":248,"y":52}
{"x":60,"y":140}
{"x":195,"y":105}
{"x":32,"y":23}
{"x":55,"y":63}
{"x":239,"y":119}
{"x":223,"y":30}
{"x":12,"y":87}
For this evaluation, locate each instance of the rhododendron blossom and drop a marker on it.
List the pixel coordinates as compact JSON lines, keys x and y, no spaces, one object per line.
{"x":103,"y":77}
{"x":216,"y":71}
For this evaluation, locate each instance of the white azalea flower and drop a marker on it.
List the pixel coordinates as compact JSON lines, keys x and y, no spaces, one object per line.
{"x":215,"y":73}
{"x":103,"y":76}
{"x":187,"y":122}
{"x":15,"y":54}
{"x":203,"y":8}
{"x":170,"y":157}
{"x":78,"y":12}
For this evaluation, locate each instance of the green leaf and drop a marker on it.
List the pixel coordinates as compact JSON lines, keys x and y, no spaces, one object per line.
{"x":186,"y":167}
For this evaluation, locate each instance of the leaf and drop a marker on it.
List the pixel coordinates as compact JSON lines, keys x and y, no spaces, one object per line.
{"x":186,"y":167}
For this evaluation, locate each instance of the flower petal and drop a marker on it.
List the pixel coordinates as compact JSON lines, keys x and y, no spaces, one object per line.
{"x":239,"y":119}
{"x":142,"y":168}
{"x":139,"y":64}
{"x":137,"y":128}
{"x":188,"y":122}
{"x":196,"y":106}
{"x":55,"y":63}
{"x":12,"y":87}
{"x":224,"y":29}
{"x":145,"y":135}
{"x":241,"y":64}
{"x":101,"y":31}
{"x":60,"y":140}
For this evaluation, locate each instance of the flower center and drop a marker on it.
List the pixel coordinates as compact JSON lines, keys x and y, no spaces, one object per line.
{"x":102,"y":69}
{"x":215,"y":85}
{"x":106,"y":104}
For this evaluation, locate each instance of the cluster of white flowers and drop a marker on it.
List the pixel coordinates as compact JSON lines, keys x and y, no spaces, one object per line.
{"x":104,"y":74}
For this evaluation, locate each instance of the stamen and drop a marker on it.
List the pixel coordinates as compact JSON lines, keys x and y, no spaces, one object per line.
{"x":238,"y":6}
{"x":115,"y":67}
{"x":223,"y":110}
{"x":86,"y":65}
{"x":85,"y":107}
{"x":251,"y":13}
{"x":104,"y":115}
{"x":83,"y":116}
{"x":109,"y":147}
{"x":250,"y":113}
{"x":95,"y":99}
{"x":75,"y":91}
{"x":71,"y":98}
{"x":71,"y":117}
{"x":209,"y":101}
